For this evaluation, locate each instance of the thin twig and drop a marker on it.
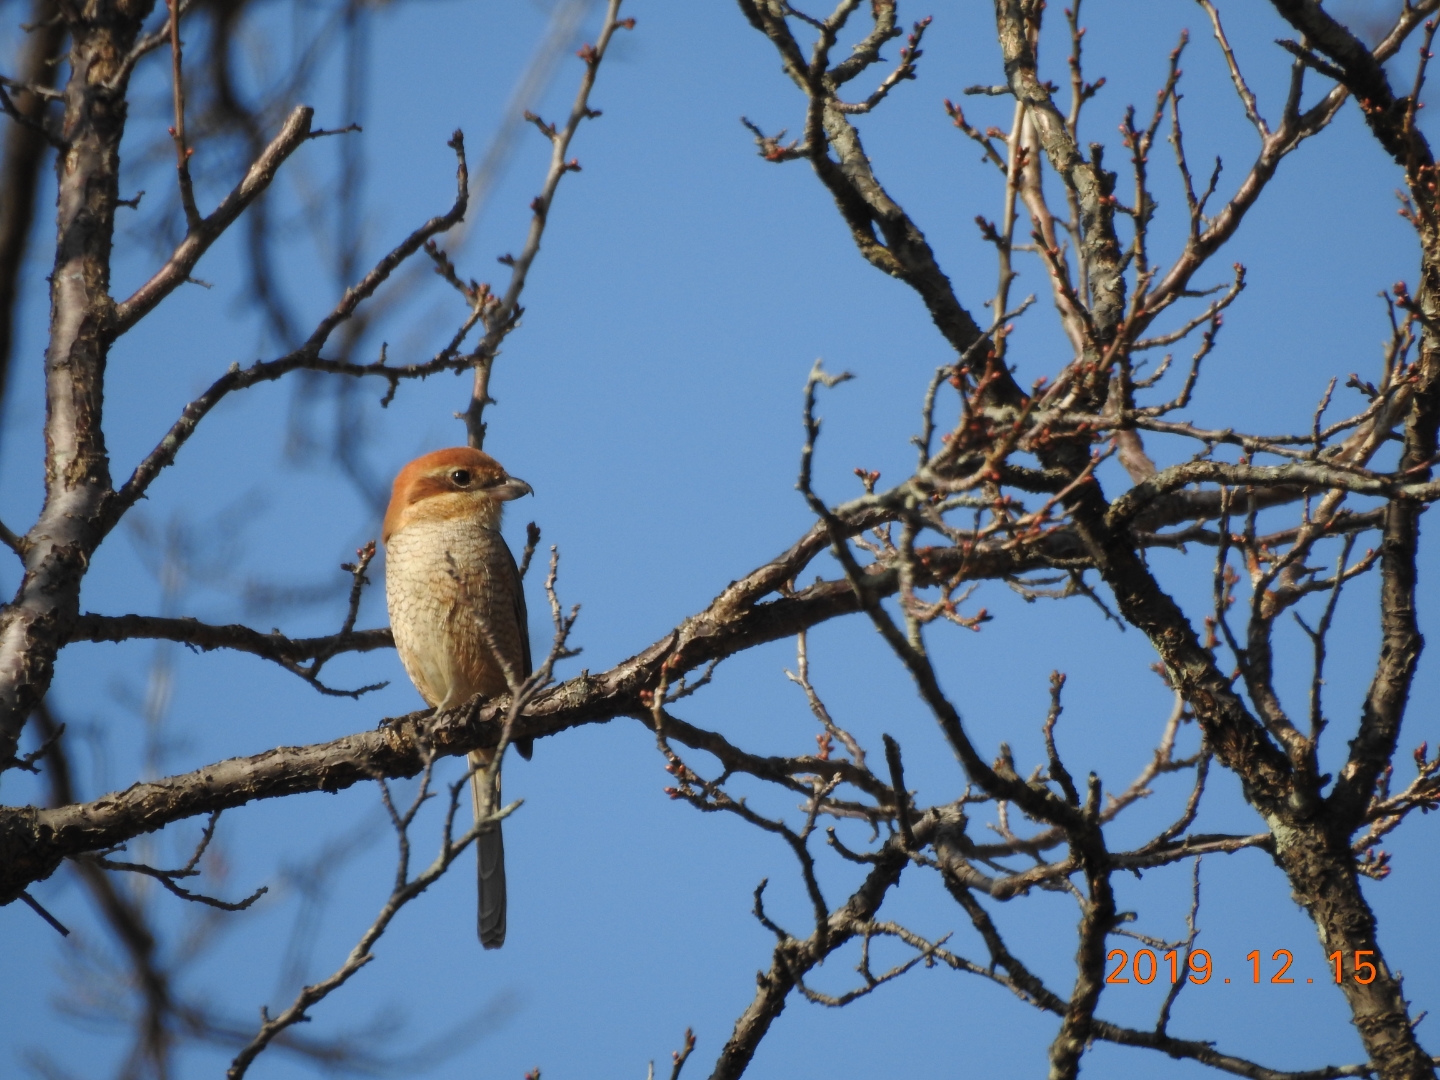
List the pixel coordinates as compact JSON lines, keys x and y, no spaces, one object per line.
{"x":503,"y":318}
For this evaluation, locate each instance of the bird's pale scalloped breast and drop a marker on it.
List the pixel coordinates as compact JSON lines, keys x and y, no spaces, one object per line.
{"x":441,"y":576}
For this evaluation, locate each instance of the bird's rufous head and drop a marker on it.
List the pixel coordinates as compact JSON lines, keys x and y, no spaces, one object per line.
{"x":458,"y":482}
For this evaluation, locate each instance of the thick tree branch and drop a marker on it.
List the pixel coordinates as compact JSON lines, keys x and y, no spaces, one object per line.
{"x":77,"y":467}
{"x":24,"y":152}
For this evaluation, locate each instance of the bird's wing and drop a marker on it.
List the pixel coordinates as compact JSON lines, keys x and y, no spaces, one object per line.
{"x":524,"y":747}
{"x":522,"y":620}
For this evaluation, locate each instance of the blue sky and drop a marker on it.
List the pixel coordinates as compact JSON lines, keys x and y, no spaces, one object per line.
{"x":652,"y":398}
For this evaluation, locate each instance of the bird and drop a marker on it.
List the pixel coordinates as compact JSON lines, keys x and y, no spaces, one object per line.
{"x":457,"y":611}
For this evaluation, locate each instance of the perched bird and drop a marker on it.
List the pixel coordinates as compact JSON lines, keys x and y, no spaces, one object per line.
{"x":457,"y":609}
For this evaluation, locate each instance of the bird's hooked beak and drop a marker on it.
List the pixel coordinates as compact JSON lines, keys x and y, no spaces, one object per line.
{"x":511,"y":488}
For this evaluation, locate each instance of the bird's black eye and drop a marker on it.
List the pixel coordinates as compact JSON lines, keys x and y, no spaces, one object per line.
{"x":460,"y":477}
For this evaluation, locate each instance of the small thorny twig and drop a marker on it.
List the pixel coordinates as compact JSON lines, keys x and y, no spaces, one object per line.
{"x":311,"y":672}
{"x":405,"y":889}
{"x":170,"y":878}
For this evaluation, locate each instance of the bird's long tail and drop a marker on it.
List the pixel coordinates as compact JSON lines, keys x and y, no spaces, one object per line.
{"x":490,"y":852}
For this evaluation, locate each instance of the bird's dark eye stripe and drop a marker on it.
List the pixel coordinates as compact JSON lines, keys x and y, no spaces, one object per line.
{"x":461,"y":477}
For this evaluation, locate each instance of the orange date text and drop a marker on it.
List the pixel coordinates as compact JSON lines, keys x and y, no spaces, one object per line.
{"x":1198,"y":966}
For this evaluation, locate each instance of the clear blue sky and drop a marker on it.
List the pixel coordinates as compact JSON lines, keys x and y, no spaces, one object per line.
{"x":652,"y":399}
